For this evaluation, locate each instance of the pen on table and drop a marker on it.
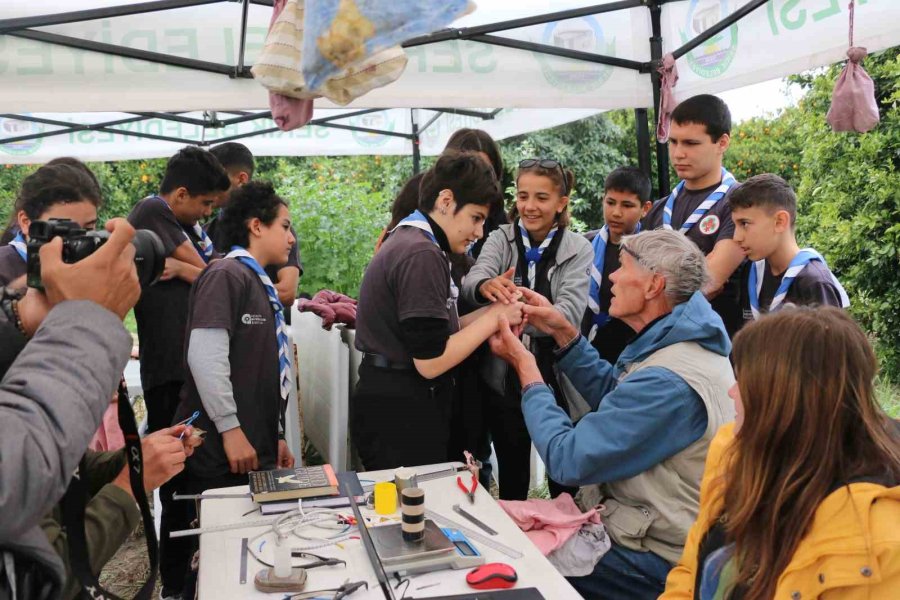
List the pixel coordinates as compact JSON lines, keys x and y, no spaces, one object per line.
{"x":187,"y":422}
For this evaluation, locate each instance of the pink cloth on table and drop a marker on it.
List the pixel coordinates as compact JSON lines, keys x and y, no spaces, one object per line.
{"x":549,"y":523}
{"x":109,"y":436}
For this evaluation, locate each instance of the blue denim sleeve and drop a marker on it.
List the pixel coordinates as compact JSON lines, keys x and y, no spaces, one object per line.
{"x":649,"y":417}
{"x":591,"y":375}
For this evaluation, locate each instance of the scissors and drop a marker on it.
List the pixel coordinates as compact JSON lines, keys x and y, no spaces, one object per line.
{"x":188,"y":421}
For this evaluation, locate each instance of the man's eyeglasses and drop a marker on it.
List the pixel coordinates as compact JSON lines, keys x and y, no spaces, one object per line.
{"x":547,"y":163}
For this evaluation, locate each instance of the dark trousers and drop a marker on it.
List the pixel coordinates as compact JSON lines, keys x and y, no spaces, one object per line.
{"x":512,"y":443}
{"x":623,"y":574}
{"x":161,"y":401}
{"x":399,"y":418}
{"x":469,"y":421}
{"x":176,"y":553}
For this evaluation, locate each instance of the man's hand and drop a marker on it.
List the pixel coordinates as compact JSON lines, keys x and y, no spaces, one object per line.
{"x":532,"y":298}
{"x":500,"y":288}
{"x":107,"y":277}
{"x":285,"y":458}
{"x":509,"y":347}
{"x":163,"y":456}
{"x":240,"y":452}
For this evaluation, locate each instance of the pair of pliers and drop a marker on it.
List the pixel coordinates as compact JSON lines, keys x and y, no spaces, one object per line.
{"x":321,"y":561}
{"x":469,"y":492}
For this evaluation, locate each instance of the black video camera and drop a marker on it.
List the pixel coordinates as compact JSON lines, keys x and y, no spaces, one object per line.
{"x":78,"y":243}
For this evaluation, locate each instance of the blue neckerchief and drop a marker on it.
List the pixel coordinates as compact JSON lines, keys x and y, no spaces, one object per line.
{"x":798,"y":263}
{"x":599,"y":244}
{"x":205,"y":245}
{"x":728,"y":181}
{"x":418,"y":220}
{"x":18,"y":243}
{"x":533,"y":255}
{"x":284,"y":347}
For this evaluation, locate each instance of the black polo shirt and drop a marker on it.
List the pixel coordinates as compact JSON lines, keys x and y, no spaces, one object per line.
{"x":407,"y":280}
{"x":812,"y":286}
{"x":11,"y":264}
{"x":229,"y":295}
{"x":161,"y":312}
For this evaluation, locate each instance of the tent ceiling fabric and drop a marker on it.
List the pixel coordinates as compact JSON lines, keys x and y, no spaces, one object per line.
{"x":781,"y":38}
{"x":61,"y":83}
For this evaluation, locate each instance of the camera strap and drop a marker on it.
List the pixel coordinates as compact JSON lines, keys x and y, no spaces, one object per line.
{"x":74,"y":503}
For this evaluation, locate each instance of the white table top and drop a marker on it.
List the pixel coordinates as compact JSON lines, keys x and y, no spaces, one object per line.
{"x":220,"y":551}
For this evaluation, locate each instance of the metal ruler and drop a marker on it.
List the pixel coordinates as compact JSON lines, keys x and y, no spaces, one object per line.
{"x":226,"y":527}
{"x":474,"y":535}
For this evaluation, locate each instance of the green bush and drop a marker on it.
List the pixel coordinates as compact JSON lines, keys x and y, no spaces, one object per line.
{"x":850,"y":206}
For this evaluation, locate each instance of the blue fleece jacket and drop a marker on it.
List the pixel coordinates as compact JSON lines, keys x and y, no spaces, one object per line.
{"x":635,"y":424}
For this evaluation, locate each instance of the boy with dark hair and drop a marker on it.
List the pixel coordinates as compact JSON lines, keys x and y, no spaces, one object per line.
{"x":699,"y":136}
{"x":192,"y":182}
{"x":239,"y":164}
{"x":764,"y":210}
{"x":626,"y":200}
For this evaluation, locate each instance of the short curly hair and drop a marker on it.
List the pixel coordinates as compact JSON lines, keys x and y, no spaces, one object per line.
{"x":253,"y":200}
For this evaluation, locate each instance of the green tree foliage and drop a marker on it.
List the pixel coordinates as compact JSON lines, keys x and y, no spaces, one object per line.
{"x":590,"y":148}
{"x":850,"y":203}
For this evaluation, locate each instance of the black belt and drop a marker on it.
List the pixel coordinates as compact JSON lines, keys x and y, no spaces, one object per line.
{"x":383,"y":362}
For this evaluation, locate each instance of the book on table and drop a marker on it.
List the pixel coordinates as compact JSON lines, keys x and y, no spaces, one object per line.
{"x":289,"y":484}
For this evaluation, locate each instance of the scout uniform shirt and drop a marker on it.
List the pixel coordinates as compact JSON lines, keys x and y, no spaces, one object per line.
{"x":812,"y":286}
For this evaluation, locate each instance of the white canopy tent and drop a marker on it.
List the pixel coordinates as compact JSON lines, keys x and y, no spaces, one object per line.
{"x":553,"y":61}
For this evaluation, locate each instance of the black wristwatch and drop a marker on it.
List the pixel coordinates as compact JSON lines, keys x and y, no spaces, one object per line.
{"x":9,"y":304}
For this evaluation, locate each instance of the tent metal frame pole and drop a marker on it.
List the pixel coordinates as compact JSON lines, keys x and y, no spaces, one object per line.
{"x":439,"y":112}
{"x":245,"y":9}
{"x":486,"y":116}
{"x":719,"y":27}
{"x":19,"y":23}
{"x":416,"y":151}
{"x":125,"y":52}
{"x":662,"y":151}
{"x":468,"y":32}
{"x":602,"y":59}
{"x":642,"y":131}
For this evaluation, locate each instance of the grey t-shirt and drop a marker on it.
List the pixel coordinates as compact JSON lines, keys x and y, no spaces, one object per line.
{"x":408,"y":278}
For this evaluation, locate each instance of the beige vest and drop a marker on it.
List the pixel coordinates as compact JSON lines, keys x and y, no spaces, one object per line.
{"x":655,"y":509}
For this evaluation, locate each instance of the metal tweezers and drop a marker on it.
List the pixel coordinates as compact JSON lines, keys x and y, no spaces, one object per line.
{"x":339,"y":593}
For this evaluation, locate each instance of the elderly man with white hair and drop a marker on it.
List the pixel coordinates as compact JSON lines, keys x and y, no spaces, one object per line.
{"x":641,"y":449}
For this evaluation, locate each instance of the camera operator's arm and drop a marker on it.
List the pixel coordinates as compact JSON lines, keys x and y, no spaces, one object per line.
{"x":54,"y":394}
{"x":111,"y":513}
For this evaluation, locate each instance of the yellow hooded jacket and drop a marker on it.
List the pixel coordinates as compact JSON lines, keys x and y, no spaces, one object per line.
{"x":852,"y":550}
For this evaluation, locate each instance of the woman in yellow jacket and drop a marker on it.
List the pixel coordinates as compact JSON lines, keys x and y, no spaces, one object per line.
{"x":801,"y":495}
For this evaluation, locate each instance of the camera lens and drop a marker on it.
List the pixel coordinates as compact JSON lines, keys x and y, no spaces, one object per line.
{"x":149,"y":257}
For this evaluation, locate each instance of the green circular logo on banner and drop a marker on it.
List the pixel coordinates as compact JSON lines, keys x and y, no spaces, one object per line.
{"x":585,"y":35}
{"x":713,"y":57}
{"x":11,"y":128}
{"x":381,"y":121}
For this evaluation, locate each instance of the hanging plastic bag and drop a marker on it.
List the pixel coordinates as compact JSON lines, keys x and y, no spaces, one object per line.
{"x":341,"y":33}
{"x":278,"y":69}
{"x":853,"y":104}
